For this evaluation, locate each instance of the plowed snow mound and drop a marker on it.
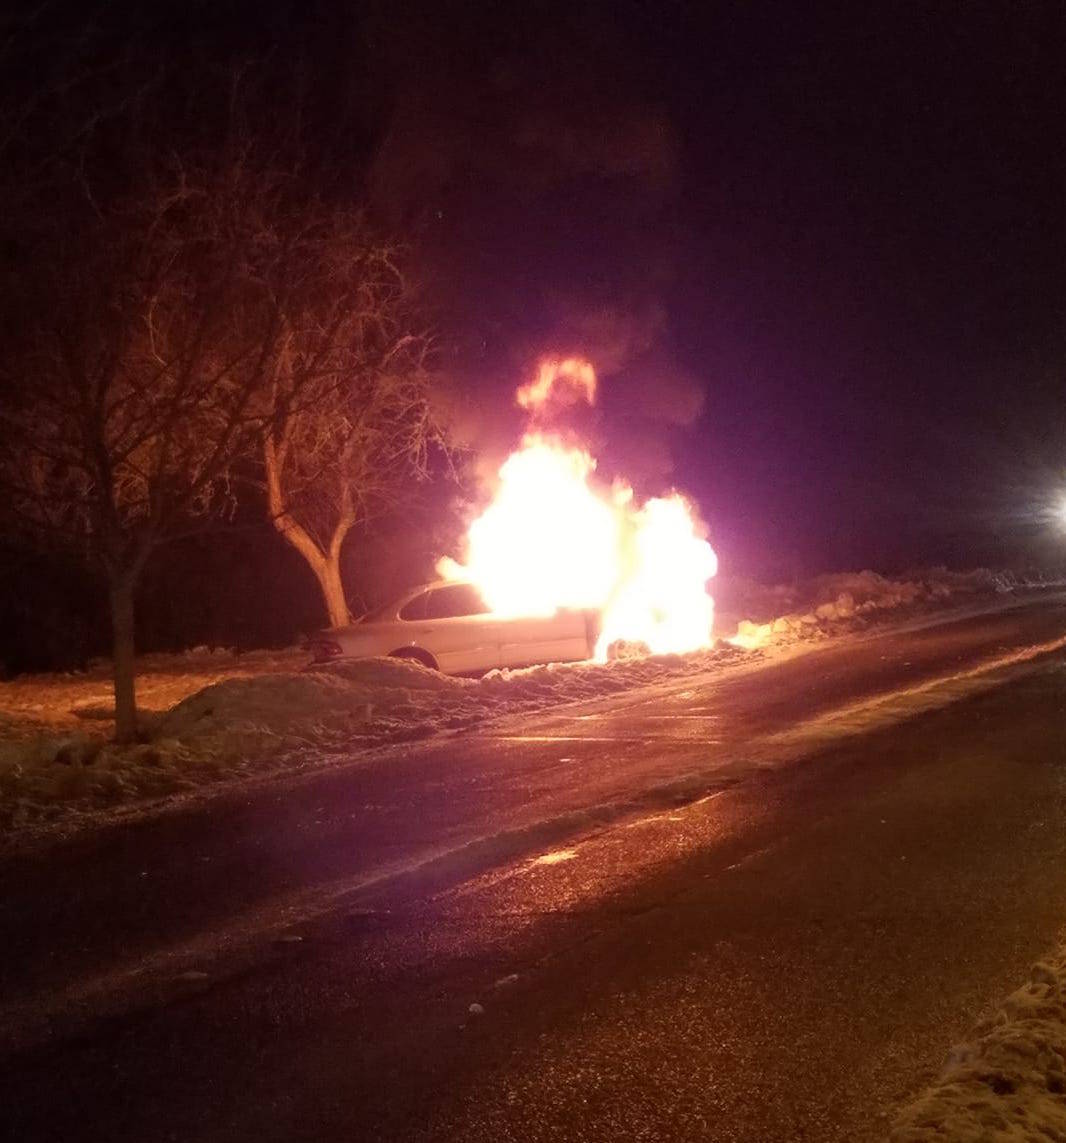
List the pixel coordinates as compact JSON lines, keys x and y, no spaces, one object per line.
{"x":373,"y":699}
{"x":831,"y":604}
{"x":375,"y":673}
{"x":388,"y":699}
{"x":286,"y":701}
{"x":1007,"y":1083}
{"x":261,"y":712}
{"x":293,"y":720}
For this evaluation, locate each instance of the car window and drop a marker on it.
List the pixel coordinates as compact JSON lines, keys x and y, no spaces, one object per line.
{"x":381,"y":614}
{"x":454,"y":601}
{"x":415,"y":608}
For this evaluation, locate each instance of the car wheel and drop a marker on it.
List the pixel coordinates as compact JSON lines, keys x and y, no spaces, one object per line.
{"x":418,"y":655}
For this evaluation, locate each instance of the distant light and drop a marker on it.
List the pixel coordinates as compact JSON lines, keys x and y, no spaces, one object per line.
{"x":1061,"y":512}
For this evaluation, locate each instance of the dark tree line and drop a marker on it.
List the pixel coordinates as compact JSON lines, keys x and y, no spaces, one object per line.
{"x":218,"y":241}
{"x":194,"y":316}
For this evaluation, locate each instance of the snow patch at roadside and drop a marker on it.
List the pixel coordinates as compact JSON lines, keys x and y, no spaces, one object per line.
{"x":1008,"y":1082}
{"x":828,"y":604}
{"x":211,"y":716}
{"x":348,"y":704}
{"x":294,"y":720}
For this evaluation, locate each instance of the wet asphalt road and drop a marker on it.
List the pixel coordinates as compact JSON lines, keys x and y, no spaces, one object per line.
{"x":757,"y":907}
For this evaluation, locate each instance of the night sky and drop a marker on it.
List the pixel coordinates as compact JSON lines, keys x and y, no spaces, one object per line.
{"x":842,"y":226}
{"x":816,"y":251}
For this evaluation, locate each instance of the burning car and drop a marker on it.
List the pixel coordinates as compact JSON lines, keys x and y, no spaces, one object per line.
{"x":556,"y":535}
{"x":558,"y":565}
{"x":449,"y":627}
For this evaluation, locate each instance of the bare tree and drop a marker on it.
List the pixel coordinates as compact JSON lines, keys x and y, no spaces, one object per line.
{"x":135,"y":345}
{"x":349,"y":420}
{"x":174,"y":316}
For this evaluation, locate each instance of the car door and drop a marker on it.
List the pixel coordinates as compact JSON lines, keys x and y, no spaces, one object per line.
{"x":455,"y":625}
{"x":559,"y":638}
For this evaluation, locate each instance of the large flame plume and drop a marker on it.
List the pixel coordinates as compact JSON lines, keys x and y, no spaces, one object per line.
{"x":569,"y":379}
{"x":553,"y":537}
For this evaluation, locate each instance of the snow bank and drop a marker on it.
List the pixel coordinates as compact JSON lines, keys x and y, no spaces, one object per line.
{"x":291,"y":720}
{"x":828,"y":604}
{"x":341,"y":705}
{"x":1009,"y":1081}
{"x":215,"y":716}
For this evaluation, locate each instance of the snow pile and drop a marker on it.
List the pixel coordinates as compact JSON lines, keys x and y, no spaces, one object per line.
{"x":291,"y":720}
{"x":1009,"y":1081}
{"x":829,"y":604}
{"x":214,"y":716}
{"x":347,"y":704}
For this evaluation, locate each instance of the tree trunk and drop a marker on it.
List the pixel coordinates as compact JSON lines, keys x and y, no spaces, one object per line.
{"x":123,"y":654}
{"x":325,"y":564}
{"x":328,"y":574}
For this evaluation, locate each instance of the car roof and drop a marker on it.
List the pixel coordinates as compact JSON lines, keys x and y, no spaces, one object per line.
{"x":435,"y":584}
{"x":415,"y":592}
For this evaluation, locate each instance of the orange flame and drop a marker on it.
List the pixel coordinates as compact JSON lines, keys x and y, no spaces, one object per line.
{"x":572,"y":376}
{"x":553,"y":537}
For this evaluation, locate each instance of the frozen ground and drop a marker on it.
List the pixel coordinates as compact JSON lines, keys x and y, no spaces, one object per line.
{"x":75,"y":699}
{"x":212,"y":717}
{"x":291,"y":719}
{"x":1007,"y":1084}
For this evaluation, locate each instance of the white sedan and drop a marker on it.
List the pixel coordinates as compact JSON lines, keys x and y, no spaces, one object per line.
{"x":449,"y":627}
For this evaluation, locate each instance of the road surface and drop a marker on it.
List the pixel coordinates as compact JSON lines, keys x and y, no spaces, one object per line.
{"x":757,"y":906}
